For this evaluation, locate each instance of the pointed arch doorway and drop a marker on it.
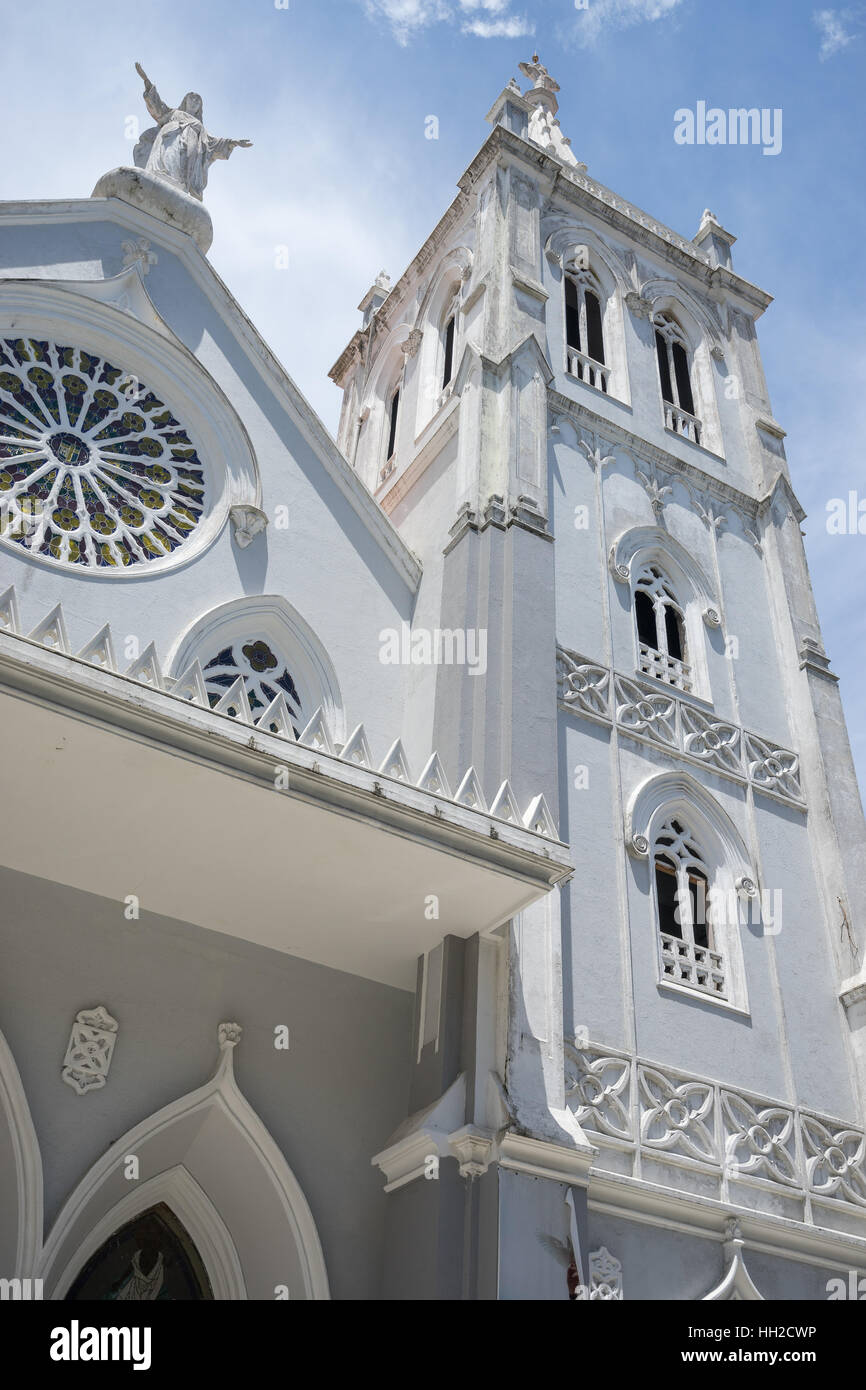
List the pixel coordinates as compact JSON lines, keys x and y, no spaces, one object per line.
{"x":232,"y":1200}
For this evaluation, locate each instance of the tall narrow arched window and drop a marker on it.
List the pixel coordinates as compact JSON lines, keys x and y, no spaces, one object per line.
{"x":584,"y":337}
{"x":675,"y":379}
{"x":393,"y":413}
{"x":448,"y":363}
{"x":661,"y":630}
{"x":687,"y":948}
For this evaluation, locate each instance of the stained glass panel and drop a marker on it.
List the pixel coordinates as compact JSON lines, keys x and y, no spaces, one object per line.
{"x":150,"y":1259}
{"x":95,"y":471}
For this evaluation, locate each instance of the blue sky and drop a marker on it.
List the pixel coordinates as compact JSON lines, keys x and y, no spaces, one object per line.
{"x":335,"y":93}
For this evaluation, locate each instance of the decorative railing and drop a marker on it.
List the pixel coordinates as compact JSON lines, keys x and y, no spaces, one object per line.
{"x":681,"y":422}
{"x":625,"y":1102}
{"x":664,"y":667}
{"x":646,"y":713}
{"x":588,"y":369}
{"x":698,"y":966}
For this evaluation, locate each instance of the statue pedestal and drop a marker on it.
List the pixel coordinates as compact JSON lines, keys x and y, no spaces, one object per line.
{"x":161,"y":199}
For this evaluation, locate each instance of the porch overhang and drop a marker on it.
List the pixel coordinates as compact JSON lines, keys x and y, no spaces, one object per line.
{"x":119,"y":789}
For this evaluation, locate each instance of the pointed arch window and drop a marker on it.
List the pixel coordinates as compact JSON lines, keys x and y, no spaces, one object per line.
{"x":687,"y":946}
{"x":448,"y":363}
{"x":149,"y":1259}
{"x":264,"y":674}
{"x":675,"y":379}
{"x":661,"y":630}
{"x":584,"y":336}
{"x":393,"y":413}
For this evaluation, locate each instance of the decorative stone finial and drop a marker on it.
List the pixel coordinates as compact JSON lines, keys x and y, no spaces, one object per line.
{"x":544,"y":128}
{"x":540,"y":78}
{"x":229,"y":1035}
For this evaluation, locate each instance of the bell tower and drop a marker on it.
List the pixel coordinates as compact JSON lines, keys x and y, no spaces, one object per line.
{"x":662,"y":1067}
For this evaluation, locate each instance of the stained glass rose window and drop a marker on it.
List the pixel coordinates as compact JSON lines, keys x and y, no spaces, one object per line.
{"x":95,"y":470}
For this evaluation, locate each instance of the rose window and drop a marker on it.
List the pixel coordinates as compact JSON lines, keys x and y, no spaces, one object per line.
{"x":94,"y":468}
{"x":264,"y":677}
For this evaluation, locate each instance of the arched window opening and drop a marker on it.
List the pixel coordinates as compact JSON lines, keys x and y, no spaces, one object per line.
{"x":393,"y":412}
{"x":150,"y":1259}
{"x":675,"y":380}
{"x":583,"y":331}
{"x":448,"y":364}
{"x":661,"y":634}
{"x":688,"y":950}
{"x":264,"y":674}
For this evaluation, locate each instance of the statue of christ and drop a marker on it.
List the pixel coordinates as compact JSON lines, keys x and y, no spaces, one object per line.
{"x":178,"y":148}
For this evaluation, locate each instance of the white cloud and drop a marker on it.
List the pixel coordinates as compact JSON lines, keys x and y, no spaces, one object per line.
{"x":405,"y":16}
{"x":484,"y":19}
{"x":604,"y":16}
{"x":511,"y":28}
{"x":834,"y":36}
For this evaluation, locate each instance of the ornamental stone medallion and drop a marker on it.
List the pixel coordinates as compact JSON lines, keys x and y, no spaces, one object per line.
{"x":91,"y":1047}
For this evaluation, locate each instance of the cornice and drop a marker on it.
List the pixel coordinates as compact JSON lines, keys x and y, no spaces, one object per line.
{"x":634,"y":1199}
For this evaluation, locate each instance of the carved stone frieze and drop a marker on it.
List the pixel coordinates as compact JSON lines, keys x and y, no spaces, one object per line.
{"x":676,"y":724}
{"x":626,"y":1102}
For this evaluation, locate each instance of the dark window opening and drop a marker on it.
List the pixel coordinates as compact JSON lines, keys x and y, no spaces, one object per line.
{"x":572,"y":316}
{"x":681,"y":371}
{"x":664,"y":370}
{"x":449,"y":352}
{"x":392,"y":435}
{"x":674,"y":633}
{"x":666,"y":894}
{"x":646,"y":619}
{"x":698,"y":901}
{"x":593,"y":327}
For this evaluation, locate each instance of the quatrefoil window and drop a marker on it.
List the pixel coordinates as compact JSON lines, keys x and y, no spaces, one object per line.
{"x":95,"y":470}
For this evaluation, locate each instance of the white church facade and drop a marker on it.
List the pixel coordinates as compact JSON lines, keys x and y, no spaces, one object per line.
{"x":433,"y":864}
